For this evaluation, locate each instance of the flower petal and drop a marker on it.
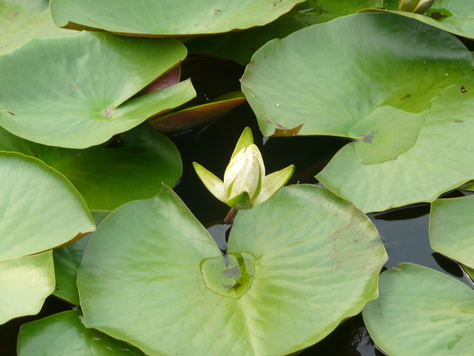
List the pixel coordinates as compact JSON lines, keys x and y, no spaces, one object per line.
{"x":245,"y":140}
{"x":212,"y":183}
{"x":272,"y":183}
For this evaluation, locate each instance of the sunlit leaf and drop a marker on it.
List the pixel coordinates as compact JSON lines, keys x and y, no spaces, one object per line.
{"x":421,"y":312}
{"x":296,"y":266}
{"x":55,"y":93}
{"x":22,"y":20}
{"x":39,"y":208}
{"x":399,"y":89}
{"x":167,"y":18}
{"x":25,"y":283}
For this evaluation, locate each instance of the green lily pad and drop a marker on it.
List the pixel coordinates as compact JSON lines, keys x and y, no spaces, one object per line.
{"x":25,"y":283}
{"x":170,"y":18}
{"x":23,"y":20}
{"x":241,"y":45}
{"x":421,"y":312}
{"x":65,"y":334}
{"x":400,"y":89}
{"x":55,"y":93}
{"x":66,"y":261}
{"x":452,"y":228}
{"x":39,"y":208}
{"x":296,"y":266}
{"x":129,"y":168}
{"x":189,"y":118}
{"x":453,"y":16}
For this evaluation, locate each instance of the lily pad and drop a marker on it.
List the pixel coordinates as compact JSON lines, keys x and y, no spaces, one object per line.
{"x":55,"y":93}
{"x":39,"y":208}
{"x":241,"y":45}
{"x":65,"y":334}
{"x":296,"y":266}
{"x":23,"y":20}
{"x":66,"y":261}
{"x":189,"y":118}
{"x":452,"y":228}
{"x":400,"y":89}
{"x":25,"y":283}
{"x":167,"y":18}
{"x":421,"y":312}
{"x":128,"y":168}
{"x":453,"y":16}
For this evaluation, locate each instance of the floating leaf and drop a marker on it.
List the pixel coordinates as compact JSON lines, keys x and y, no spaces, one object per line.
{"x":25,"y":283}
{"x":452,"y":228}
{"x":66,"y":261}
{"x":168,"y":18}
{"x":241,"y":45}
{"x":453,"y":16}
{"x":39,"y":208}
{"x":421,"y":312}
{"x":296,"y":266}
{"x":23,"y":20}
{"x":107,"y":176}
{"x":406,"y":105}
{"x":55,"y":93}
{"x":65,"y":334}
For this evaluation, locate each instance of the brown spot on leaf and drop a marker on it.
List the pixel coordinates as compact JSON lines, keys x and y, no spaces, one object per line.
{"x":282,"y":131}
{"x":463,"y":89}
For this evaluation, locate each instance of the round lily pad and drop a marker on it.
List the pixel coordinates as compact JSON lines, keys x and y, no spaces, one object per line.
{"x":55,"y":92}
{"x":39,"y":208}
{"x":25,"y":283}
{"x":167,"y":18}
{"x":296,"y":266}
{"x":65,"y":334}
{"x":452,"y":228}
{"x":399,"y":89}
{"x":421,"y":312}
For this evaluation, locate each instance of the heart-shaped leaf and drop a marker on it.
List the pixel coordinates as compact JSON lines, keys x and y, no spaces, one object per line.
{"x":65,"y":334}
{"x":421,"y":312}
{"x":55,"y":93}
{"x":452,"y":228}
{"x":129,"y":168}
{"x":23,"y":20}
{"x":167,"y":18}
{"x":406,"y":105}
{"x":39,"y":208}
{"x":25,"y":283}
{"x":296,"y":266}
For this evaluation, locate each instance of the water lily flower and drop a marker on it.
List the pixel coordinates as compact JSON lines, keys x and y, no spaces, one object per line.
{"x":245,"y":184}
{"x":418,"y":6}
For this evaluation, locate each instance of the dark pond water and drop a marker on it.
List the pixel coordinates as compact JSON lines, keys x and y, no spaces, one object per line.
{"x":404,"y":230}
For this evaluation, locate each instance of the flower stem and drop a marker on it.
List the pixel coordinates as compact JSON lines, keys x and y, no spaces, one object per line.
{"x":229,"y":219}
